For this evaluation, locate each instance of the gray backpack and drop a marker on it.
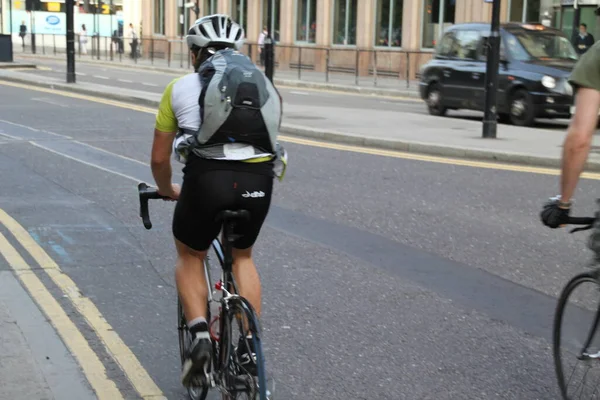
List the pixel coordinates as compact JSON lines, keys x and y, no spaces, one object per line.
{"x":238,"y":103}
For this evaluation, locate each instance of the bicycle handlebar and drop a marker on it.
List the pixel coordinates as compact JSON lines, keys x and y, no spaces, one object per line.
{"x":581,"y":220}
{"x":588,"y":223}
{"x":146,"y":193}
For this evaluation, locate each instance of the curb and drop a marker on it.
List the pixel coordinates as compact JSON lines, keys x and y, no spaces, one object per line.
{"x":333,"y":87}
{"x":15,"y":65}
{"x":428,"y":148}
{"x":80,"y":90}
{"x":349,"y":139}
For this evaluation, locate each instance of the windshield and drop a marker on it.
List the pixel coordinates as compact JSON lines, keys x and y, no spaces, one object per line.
{"x":540,"y":45}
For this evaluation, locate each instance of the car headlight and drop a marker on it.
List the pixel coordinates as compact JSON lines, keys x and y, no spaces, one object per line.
{"x":568,"y":88}
{"x":549,"y":82}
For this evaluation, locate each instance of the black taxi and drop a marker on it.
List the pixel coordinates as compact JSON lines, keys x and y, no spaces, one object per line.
{"x":535,"y":62}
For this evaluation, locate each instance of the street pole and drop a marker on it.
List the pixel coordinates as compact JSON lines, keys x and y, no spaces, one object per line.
{"x":269,"y":45}
{"x":576,"y":20}
{"x":70,"y":41}
{"x":490,"y":122}
{"x":32,"y":23}
{"x":10,"y":17}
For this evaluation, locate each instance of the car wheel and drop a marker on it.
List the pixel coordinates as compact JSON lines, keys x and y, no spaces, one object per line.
{"x":434,"y":100}
{"x":521,"y":108}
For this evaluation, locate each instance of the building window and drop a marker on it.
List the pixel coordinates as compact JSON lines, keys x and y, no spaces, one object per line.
{"x":210,"y":7}
{"x":389,"y":23}
{"x":344,"y":22}
{"x":435,"y":11}
{"x":524,"y":10}
{"x":265,"y":20}
{"x":159,"y":17}
{"x":306,"y":22}
{"x":239,"y":12}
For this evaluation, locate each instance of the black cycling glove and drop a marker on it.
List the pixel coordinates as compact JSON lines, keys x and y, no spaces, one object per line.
{"x":554,"y":216}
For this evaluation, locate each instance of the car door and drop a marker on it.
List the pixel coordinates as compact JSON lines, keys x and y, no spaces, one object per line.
{"x":470,"y":69}
{"x":446,"y":65}
{"x":504,"y":79}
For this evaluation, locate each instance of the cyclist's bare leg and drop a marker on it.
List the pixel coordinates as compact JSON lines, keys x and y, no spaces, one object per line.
{"x":246,"y":276}
{"x":191,"y":281}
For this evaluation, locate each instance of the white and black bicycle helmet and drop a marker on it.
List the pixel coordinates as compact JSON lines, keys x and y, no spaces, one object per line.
{"x":215,"y":30}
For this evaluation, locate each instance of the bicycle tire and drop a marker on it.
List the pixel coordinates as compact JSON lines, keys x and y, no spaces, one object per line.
{"x":260,"y":387}
{"x":194,"y":393}
{"x":586,"y":277}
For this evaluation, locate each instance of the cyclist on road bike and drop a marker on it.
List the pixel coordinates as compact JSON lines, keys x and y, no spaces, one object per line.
{"x":217,"y":176}
{"x":585,"y":80}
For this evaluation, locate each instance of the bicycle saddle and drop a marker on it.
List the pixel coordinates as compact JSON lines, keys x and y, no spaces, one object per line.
{"x":228,"y":215}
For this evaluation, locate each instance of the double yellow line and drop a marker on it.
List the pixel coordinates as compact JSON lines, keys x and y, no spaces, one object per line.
{"x":89,"y":361}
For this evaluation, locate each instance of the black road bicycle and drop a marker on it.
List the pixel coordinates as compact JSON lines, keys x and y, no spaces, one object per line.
{"x":226,"y":372}
{"x":573,"y":314}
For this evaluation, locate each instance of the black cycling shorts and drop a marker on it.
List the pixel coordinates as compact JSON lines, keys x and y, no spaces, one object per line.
{"x":207,"y":191}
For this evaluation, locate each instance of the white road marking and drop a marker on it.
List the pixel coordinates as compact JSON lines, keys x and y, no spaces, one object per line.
{"x":49,"y":102}
{"x":101,"y":77}
{"x":84,"y":162}
{"x":80,"y":73}
{"x":125,"y":80}
{"x":300,"y":93}
{"x":149,"y":84}
{"x":10,"y":136}
{"x":19,"y":125}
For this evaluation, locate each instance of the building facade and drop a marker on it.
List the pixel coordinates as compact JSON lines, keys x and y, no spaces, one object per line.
{"x":392,"y":36}
{"x":411,"y":25}
{"x":359,"y":34}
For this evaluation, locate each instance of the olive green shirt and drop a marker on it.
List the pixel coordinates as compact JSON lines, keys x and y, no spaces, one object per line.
{"x":587,"y":70}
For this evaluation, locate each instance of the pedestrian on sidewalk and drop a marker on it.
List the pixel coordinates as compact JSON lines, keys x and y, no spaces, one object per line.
{"x":261,"y":45}
{"x":134,"y":41}
{"x":23,"y":33}
{"x":584,"y":40}
{"x":83,"y":39}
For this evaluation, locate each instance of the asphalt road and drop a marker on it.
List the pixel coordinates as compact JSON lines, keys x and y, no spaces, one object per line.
{"x":155,"y":82}
{"x":383,"y":277}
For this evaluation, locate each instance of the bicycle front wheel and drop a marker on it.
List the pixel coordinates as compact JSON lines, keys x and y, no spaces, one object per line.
{"x":576,"y":342}
{"x":239,"y":383}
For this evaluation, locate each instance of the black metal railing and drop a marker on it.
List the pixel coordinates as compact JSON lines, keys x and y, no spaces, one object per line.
{"x":378,"y":67}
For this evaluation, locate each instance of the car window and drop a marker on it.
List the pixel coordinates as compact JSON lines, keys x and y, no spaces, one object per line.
{"x":446,"y":45}
{"x":467,"y":44}
{"x":527,"y":45}
{"x":483,"y":49}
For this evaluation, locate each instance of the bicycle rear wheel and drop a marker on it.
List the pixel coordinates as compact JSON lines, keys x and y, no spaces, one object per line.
{"x":239,"y":384}
{"x":185,"y":341}
{"x":576,"y":339}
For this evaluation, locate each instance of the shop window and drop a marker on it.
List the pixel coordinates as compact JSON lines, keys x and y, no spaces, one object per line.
{"x":275,"y":12}
{"x":306,"y":22}
{"x":389,"y":23}
{"x":437,"y":16}
{"x":344,"y":22}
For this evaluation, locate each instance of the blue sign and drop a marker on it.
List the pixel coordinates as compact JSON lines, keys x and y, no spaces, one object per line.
{"x":52,"y":20}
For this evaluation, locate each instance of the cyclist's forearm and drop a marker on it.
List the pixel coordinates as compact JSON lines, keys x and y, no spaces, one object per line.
{"x":162,"y":175}
{"x":575,"y":153}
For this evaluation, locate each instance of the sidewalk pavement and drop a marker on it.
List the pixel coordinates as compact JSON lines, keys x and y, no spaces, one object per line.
{"x":395,"y":130}
{"x":342,"y":82}
{"x":34,"y":362}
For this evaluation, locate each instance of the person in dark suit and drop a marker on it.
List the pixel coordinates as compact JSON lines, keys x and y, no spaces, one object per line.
{"x":584,"y":40}
{"x":23,"y":32}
